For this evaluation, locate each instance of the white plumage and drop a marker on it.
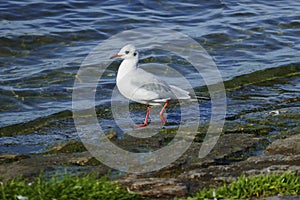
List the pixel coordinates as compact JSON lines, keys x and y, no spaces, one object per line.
{"x":138,"y":85}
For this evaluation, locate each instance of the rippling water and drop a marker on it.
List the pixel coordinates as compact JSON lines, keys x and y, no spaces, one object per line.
{"x":43,"y":43}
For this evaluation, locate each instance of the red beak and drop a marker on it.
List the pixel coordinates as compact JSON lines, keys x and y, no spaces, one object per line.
{"x":116,"y":56}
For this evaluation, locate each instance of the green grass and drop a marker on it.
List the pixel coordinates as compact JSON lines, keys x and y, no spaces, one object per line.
{"x":256,"y":186}
{"x":68,"y":187}
{"x":90,"y":187}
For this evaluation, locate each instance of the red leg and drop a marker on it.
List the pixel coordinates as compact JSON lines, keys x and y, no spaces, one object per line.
{"x":146,"y":119}
{"x":161,"y":114}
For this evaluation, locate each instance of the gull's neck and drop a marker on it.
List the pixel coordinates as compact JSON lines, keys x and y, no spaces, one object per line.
{"x":126,"y":66}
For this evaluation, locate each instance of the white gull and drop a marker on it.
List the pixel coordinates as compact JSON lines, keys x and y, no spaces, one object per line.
{"x":143,"y":87}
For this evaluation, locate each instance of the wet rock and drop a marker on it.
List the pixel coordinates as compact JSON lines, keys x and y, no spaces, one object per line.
{"x":12,"y":157}
{"x":232,"y":157}
{"x":68,"y":147}
{"x":83,"y":159}
{"x":24,"y":168}
{"x":274,"y":169}
{"x":155,"y":187}
{"x":266,"y":164}
{"x":229,"y":148}
{"x":112,"y":135}
{"x":33,"y":165}
{"x":287,"y":146}
{"x":219,"y":174}
{"x":265,"y":160}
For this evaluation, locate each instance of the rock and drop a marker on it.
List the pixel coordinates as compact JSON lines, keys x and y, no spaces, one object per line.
{"x":112,"y":135}
{"x":21,"y":168}
{"x":233,"y":146}
{"x":33,"y":165}
{"x":12,"y":157}
{"x":267,"y":160}
{"x":229,"y":148}
{"x":155,"y":187}
{"x":257,"y":165}
{"x":68,"y":147}
{"x":83,"y":159}
{"x":287,"y":146}
{"x":274,"y":169}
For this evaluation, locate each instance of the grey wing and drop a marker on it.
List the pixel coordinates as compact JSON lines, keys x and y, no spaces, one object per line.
{"x":180,"y":93}
{"x":149,"y":88}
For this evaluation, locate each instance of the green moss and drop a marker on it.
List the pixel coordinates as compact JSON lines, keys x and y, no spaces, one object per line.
{"x":31,"y":126}
{"x":266,"y":77}
{"x":69,"y":187}
{"x":71,"y":146}
{"x":256,"y":186}
{"x":248,"y":129}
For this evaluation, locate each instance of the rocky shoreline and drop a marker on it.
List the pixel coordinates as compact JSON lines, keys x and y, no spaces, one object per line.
{"x":260,"y":136}
{"x":230,"y":158}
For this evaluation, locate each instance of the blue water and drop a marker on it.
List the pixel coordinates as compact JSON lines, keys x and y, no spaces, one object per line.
{"x":43,"y":43}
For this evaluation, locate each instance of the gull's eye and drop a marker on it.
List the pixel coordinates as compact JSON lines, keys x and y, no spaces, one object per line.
{"x":127,"y":52}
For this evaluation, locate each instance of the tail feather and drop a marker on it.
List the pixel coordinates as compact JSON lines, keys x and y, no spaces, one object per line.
{"x":180,"y":93}
{"x":185,"y":95}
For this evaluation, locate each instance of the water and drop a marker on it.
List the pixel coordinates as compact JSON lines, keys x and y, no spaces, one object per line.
{"x":43,"y":45}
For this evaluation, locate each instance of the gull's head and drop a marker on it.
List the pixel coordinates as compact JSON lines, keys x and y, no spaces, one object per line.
{"x":127,"y":52}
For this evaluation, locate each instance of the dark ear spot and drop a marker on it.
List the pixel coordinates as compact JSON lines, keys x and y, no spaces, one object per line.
{"x":134,"y":54}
